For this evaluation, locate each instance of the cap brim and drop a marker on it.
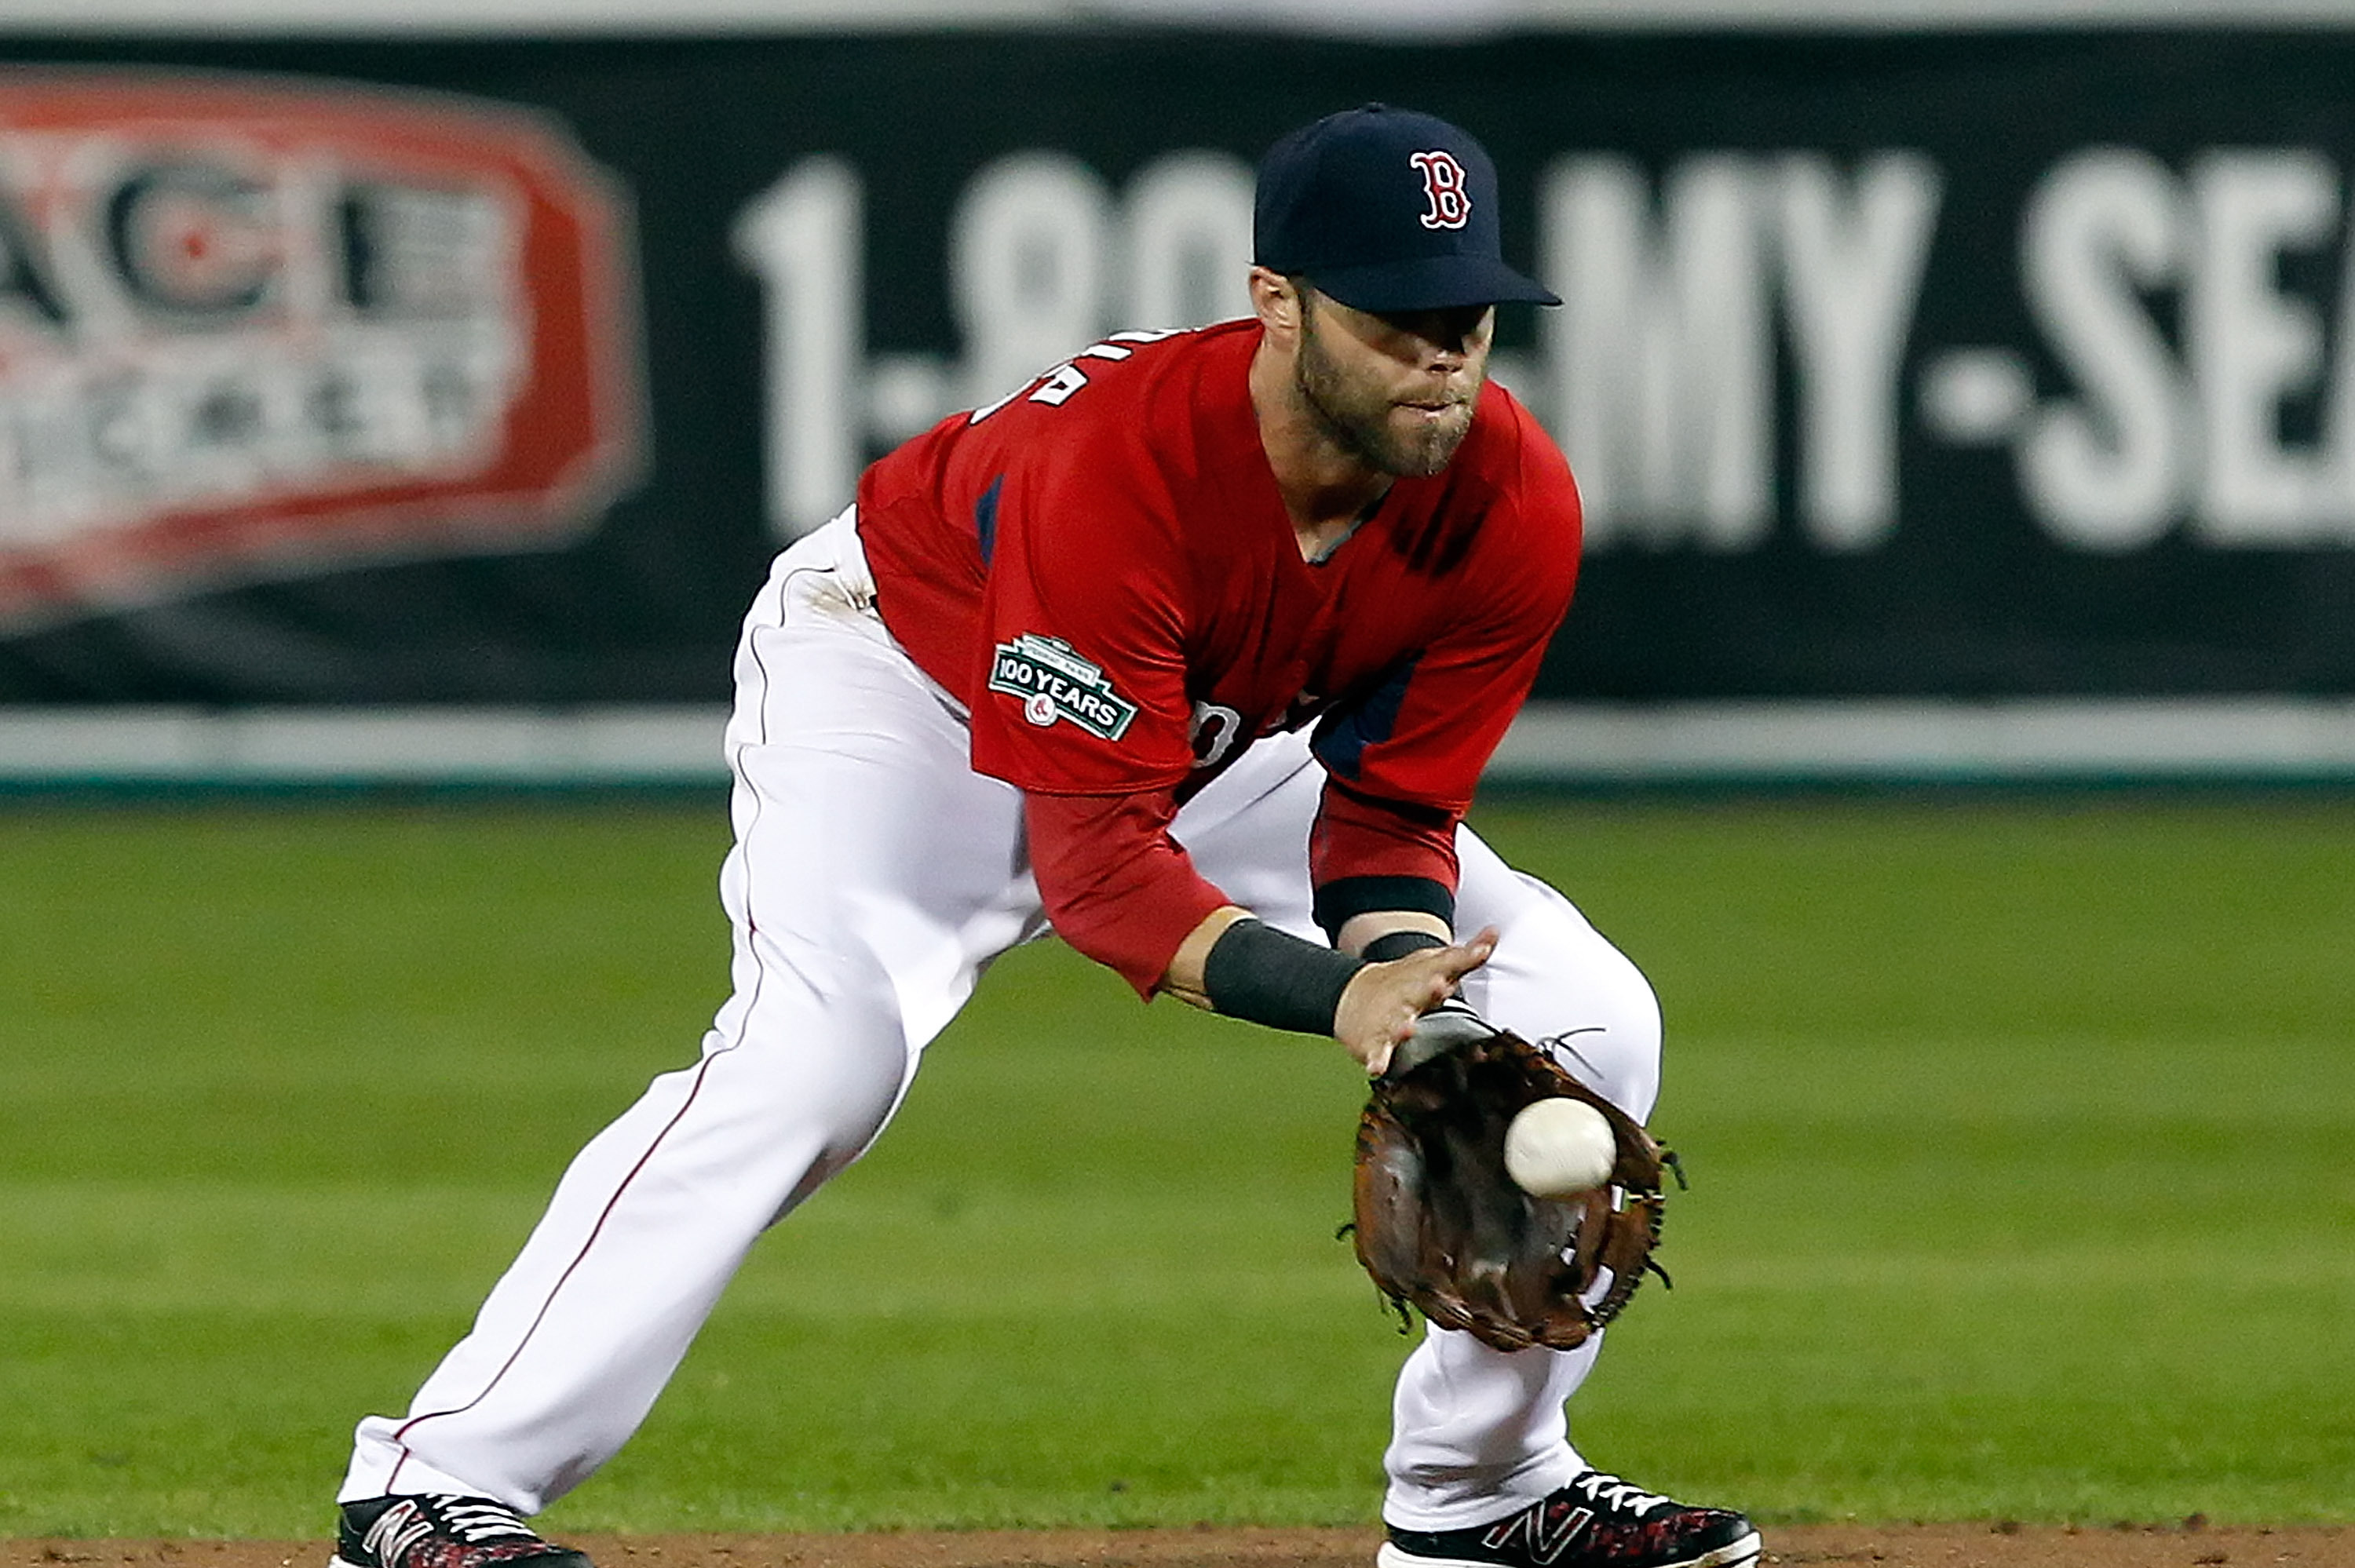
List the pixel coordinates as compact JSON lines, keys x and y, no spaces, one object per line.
{"x":1429,"y":283}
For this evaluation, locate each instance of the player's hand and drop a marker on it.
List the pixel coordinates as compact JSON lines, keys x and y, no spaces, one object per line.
{"x":1381,"y":1001}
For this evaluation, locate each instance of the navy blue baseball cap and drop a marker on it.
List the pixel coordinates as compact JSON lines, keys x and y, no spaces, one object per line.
{"x":1386,"y":211}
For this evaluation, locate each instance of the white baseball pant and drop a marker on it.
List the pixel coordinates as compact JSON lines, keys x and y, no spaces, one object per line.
{"x":874,"y":876}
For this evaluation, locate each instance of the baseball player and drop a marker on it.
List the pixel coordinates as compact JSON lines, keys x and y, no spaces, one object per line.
{"x":1191,"y":649}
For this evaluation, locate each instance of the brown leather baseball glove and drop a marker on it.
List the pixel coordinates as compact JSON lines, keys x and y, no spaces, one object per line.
{"x":1439,"y":1222}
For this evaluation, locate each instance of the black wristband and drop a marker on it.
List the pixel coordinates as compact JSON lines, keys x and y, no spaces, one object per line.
{"x":1399,"y":944}
{"x":1267,"y":976}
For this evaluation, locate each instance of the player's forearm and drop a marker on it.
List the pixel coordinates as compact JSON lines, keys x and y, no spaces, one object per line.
{"x":1234,"y":965}
{"x":1116,"y":885}
{"x":1185,"y":979}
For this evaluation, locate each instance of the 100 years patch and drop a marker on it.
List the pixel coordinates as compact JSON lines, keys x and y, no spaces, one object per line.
{"x":1054,"y":682}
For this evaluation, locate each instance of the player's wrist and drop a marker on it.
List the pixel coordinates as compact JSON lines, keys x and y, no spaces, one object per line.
{"x":1260,"y":974}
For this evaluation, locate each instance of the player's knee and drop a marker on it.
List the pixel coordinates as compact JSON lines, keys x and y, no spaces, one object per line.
{"x":1619,"y":996}
{"x":1607,"y":1026}
{"x":1554,"y":976}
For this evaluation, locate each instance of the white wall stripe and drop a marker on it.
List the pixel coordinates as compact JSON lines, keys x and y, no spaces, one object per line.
{"x":2195,"y":740}
{"x":459,"y":745}
{"x":2254,"y":738}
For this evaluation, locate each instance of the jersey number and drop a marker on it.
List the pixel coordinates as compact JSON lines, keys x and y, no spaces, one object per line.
{"x":1055,"y":388}
{"x":1215,"y":728}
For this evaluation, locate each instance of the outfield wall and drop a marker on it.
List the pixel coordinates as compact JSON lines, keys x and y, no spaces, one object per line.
{"x":388,"y":392}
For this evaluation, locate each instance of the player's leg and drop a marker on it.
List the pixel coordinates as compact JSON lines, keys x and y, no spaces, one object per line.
{"x":1482,"y":1471}
{"x":873,"y":875}
{"x":1471,"y":1425}
{"x":1474,"y":1424}
{"x":1480,"y":1439}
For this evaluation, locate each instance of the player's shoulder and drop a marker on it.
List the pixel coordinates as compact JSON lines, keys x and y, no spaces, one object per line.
{"x":1511,"y":452}
{"x":1155,"y":414}
{"x":1110,"y":381}
{"x":1511,"y":477}
{"x":1162,"y":395}
{"x":1130,"y":397}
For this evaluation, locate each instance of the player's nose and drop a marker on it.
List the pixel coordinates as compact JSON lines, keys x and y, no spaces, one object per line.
{"x":1452,"y":335}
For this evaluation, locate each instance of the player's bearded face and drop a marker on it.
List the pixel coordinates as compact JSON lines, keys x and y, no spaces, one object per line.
{"x":1397,"y":392}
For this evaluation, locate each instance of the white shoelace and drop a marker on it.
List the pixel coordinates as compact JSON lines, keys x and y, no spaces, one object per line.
{"x":1610,"y":1492}
{"x":477,"y":1520}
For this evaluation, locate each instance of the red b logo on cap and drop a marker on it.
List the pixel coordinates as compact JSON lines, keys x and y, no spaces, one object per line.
{"x":1442,"y":188}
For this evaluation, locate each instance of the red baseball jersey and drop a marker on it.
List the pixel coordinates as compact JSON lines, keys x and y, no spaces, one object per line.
{"x":1102,"y":569}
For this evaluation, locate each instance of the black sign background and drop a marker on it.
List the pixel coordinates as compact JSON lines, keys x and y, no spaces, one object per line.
{"x":1968,"y":597}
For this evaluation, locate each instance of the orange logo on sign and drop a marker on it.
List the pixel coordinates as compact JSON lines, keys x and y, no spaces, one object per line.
{"x":251,"y":328}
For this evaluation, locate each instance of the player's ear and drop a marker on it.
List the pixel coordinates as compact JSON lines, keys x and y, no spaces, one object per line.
{"x":1276,"y":300}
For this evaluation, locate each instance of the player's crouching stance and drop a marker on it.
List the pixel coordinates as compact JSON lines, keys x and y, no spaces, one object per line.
{"x":1060,"y":664}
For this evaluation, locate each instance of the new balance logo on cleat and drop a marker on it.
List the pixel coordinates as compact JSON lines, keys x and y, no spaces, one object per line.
{"x":443,"y":1532}
{"x":1596,"y":1521}
{"x":1539,"y":1534}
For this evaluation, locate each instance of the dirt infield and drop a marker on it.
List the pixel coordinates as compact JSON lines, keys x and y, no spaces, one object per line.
{"x":2190,"y":1545}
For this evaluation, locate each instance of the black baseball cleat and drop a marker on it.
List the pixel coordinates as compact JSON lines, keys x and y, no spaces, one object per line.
{"x":1596,"y":1521}
{"x":443,"y":1532}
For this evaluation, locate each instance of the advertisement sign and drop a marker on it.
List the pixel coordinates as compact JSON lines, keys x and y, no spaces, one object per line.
{"x":249,"y":330}
{"x":1975,"y":367}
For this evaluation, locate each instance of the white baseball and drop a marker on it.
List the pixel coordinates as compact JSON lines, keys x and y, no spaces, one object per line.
{"x":1558,"y":1147}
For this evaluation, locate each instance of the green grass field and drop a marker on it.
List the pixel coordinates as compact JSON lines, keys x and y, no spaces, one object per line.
{"x":2019,"y":1134}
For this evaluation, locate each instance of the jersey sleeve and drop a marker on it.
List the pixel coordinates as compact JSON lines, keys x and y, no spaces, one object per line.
{"x":1405,"y":753}
{"x":1083,"y":622}
{"x":1114,"y":884}
{"x":1083,"y":703}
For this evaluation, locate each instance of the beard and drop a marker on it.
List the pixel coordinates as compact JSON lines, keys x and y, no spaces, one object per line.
{"x":1357,"y":416}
